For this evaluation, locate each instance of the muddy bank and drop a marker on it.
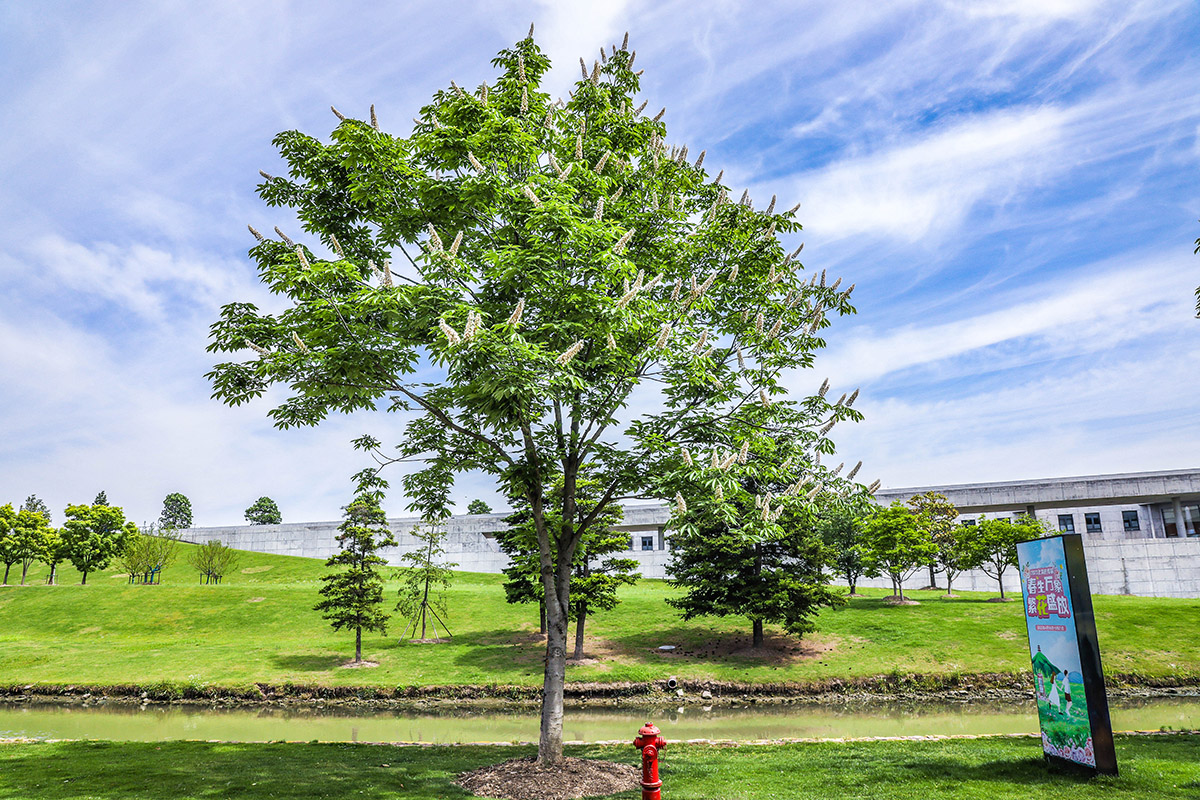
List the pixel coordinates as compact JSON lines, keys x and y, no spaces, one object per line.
{"x":882,"y":688}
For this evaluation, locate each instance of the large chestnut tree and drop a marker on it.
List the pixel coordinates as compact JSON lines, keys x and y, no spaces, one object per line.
{"x":541,"y":289}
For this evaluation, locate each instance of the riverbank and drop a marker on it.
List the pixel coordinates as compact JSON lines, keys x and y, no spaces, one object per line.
{"x":883,"y":688}
{"x":1159,"y":766}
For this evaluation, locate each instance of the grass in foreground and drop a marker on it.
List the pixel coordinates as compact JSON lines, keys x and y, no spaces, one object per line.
{"x":259,"y":626}
{"x":981,"y":769}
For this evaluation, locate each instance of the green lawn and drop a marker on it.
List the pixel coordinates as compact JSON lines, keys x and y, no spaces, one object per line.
{"x":1162,"y":767}
{"x":259,"y":626}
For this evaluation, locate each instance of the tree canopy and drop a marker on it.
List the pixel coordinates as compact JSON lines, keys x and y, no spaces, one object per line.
{"x":263,"y":511}
{"x":478,"y":506}
{"x":176,"y":512}
{"x":897,"y":544}
{"x":540,"y":287}
{"x":94,"y":535}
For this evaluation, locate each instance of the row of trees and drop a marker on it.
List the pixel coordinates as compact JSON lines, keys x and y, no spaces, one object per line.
{"x":900,"y":540}
{"x":90,"y":537}
{"x":94,"y":536}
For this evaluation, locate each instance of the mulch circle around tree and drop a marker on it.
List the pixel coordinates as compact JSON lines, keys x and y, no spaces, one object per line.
{"x":523,"y":779}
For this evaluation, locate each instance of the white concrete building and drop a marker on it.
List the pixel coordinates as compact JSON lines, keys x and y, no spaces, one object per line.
{"x":1131,"y":538}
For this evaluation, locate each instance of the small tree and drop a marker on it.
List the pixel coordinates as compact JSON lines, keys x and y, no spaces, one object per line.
{"x":936,"y":515}
{"x":264,"y":512}
{"x":595,"y":573}
{"x":29,"y":539}
{"x":896,"y":544}
{"x":841,"y":528}
{"x":425,"y":581}
{"x":8,"y":551}
{"x":134,"y":558}
{"x":54,"y":553}
{"x":992,"y":544}
{"x":176,"y":512}
{"x":477,"y":506}
{"x":354,"y":594}
{"x":148,"y":553}
{"x":954,"y":552}
{"x":35,"y":504}
{"x":213,"y":560}
{"x":779,"y":579}
{"x":101,"y":499}
{"x":94,"y":535}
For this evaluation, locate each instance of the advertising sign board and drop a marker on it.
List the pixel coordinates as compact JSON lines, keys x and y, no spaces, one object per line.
{"x":1071,"y":700}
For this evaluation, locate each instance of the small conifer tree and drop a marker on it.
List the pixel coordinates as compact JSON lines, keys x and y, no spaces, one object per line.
{"x":354,"y":594}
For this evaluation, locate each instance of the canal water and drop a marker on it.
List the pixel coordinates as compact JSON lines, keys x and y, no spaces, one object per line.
{"x":122,"y":722}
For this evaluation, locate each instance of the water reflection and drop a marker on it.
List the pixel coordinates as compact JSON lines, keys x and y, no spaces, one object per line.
{"x":446,"y":723}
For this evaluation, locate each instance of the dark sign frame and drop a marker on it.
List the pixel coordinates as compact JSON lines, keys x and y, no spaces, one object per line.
{"x":1080,"y":598}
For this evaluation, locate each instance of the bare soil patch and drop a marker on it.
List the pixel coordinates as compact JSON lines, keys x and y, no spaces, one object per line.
{"x":776,"y":649}
{"x":896,"y":601}
{"x":999,"y":599}
{"x":523,"y":779}
{"x":364,"y":664}
{"x":255,"y":599}
{"x":252,"y":570}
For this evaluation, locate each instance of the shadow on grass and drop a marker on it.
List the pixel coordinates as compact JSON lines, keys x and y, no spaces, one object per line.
{"x":308,"y":663}
{"x":193,"y":770}
{"x":699,"y":645}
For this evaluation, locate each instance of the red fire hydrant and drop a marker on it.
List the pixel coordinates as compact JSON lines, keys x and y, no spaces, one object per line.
{"x":650,"y":741}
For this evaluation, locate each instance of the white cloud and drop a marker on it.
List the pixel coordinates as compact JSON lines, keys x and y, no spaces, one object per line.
{"x":1071,"y":315}
{"x":142,"y":279}
{"x":927,"y":187}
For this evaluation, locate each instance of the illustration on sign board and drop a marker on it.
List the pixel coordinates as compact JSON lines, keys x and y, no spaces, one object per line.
{"x":1054,"y":649}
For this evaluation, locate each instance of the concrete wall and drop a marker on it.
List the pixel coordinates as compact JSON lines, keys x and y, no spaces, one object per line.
{"x":1145,"y":567}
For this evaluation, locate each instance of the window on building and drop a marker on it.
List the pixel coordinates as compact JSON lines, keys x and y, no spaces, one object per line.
{"x":1191,"y":526}
{"x":647,"y":542}
{"x":1092,"y":521}
{"x":1066,"y":523}
{"x":1130,"y":518}
{"x":966,"y":522}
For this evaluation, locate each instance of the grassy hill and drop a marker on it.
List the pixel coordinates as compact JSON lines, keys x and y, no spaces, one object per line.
{"x":259,"y":626}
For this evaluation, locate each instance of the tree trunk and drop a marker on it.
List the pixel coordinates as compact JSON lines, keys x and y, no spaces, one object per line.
{"x":6,"y":568}
{"x":899,"y":585}
{"x":24,"y":572}
{"x":84,"y":581}
{"x":551,"y":738}
{"x":579,"y":631}
{"x":758,"y":634}
{"x":1000,"y":580}
{"x":542,"y":614}
{"x":358,"y":645}
{"x":949,"y":580}
{"x":932,"y":580}
{"x":852,"y":581}
{"x":50,"y":581}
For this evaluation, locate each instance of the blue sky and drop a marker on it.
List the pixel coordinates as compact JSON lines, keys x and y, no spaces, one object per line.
{"x":1011,"y":185}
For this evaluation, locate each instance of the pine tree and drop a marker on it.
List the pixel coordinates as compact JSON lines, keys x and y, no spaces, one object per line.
{"x":176,"y":512}
{"x":354,"y":594}
{"x":38,"y":506}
